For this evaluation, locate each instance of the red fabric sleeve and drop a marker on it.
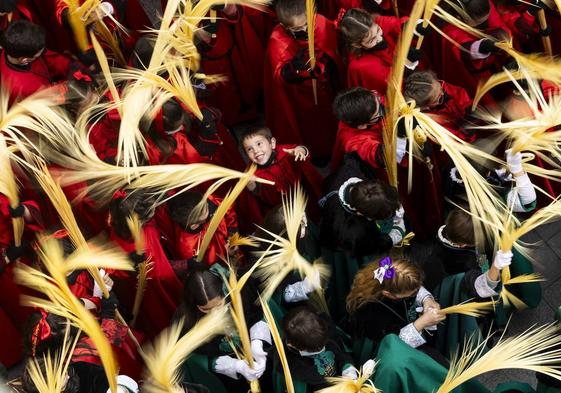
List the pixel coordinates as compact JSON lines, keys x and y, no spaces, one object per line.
{"x":58,"y":64}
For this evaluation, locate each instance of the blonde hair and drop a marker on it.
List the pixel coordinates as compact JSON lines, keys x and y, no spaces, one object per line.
{"x":365,"y":289}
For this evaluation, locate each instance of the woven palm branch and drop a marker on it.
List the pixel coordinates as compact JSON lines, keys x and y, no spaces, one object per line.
{"x":223,"y":208}
{"x":493,"y":81}
{"x":163,"y":358}
{"x":311,"y":21}
{"x":283,"y":257}
{"x":473,"y":309}
{"x":484,"y":203}
{"x":535,"y":350}
{"x":279,"y":345}
{"x":427,"y":14}
{"x":394,"y":98}
{"x":236,"y":240}
{"x":60,"y":300}
{"x":52,"y":377}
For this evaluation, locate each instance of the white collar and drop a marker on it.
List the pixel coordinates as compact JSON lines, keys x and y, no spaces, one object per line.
{"x":444,"y":240}
{"x":342,"y":189}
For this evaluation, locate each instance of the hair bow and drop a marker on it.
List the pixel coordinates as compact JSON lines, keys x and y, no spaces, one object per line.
{"x":340,"y":17}
{"x":81,"y":76}
{"x":41,"y":332}
{"x":385,"y":271}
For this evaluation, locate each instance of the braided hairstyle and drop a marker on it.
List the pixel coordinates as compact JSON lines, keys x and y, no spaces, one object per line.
{"x":354,"y":27}
{"x":408,"y":277}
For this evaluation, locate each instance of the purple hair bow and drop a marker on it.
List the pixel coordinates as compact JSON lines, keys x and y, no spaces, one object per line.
{"x":385,"y":270}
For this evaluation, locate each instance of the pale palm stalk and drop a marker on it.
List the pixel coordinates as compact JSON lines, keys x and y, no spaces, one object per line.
{"x":52,"y":378}
{"x":163,"y":357}
{"x":61,"y":301}
{"x":223,"y":208}
{"x":278,"y":262}
{"x":311,"y":20}
{"x":537,"y":349}
{"x":144,"y":268}
{"x":394,"y":98}
{"x":472,"y":309}
{"x":238,"y":316}
{"x":279,"y":345}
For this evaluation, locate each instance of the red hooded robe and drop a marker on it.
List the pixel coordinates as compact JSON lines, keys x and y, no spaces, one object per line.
{"x":289,"y":107}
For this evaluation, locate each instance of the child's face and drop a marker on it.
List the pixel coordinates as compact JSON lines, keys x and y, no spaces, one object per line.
{"x":298,"y":27}
{"x":374,"y":37}
{"x":258,"y":148}
{"x":27,"y":60}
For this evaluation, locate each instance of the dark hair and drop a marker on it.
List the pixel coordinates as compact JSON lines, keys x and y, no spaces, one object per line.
{"x":355,"y":106}
{"x":256,"y":130}
{"x":305,"y":329}
{"x":354,"y":26}
{"x":77,"y":94}
{"x":418,"y":87}
{"x":138,"y":202}
{"x":181,"y":207}
{"x":7,"y":6}
{"x":23,"y":39}
{"x":142,"y":54}
{"x":477,"y":8}
{"x":374,"y":198}
{"x":201,"y":286}
{"x":459,"y":227}
{"x":288,"y":9}
{"x":173,"y":115}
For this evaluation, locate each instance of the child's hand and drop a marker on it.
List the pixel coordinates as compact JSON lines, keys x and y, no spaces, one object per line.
{"x":430,"y":318}
{"x":251,"y":184}
{"x":300,"y":153}
{"x":429,"y":304}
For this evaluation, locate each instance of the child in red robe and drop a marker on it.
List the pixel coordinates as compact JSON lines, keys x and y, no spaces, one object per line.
{"x":481,"y":58}
{"x":289,"y":95}
{"x":371,"y":42}
{"x":163,"y":288}
{"x":286,"y":165}
{"x":451,"y":104}
{"x":188,"y":228}
{"x":12,"y":313}
{"x":26,"y":65}
{"x":360,"y":133}
{"x":230,"y":46}
{"x":360,"y":112}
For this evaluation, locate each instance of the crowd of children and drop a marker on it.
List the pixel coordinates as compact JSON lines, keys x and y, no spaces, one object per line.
{"x":304,"y":95}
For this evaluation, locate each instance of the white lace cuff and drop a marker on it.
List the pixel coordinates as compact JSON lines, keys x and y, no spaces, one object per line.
{"x":474,"y":51}
{"x":411,"y":336}
{"x":485,"y":287}
{"x":260,"y":331}
{"x":296,"y":292}
{"x":422,"y":295}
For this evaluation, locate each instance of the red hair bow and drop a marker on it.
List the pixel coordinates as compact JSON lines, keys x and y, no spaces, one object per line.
{"x":41,"y":332}
{"x":340,"y":17}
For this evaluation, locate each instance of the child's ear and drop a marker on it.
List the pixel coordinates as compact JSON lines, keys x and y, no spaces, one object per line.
{"x":273,"y":142}
{"x":387,"y":294}
{"x":362,"y":126}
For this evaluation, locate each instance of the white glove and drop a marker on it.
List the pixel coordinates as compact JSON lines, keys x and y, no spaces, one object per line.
{"x":514,"y":161}
{"x":368,"y":368}
{"x":502,"y":259}
{"x":97,"y":292}
{"x":350,"y":373}
{"x":231,"y":367}
{"x":107,"y":8}
{"x":259,"y":355}
{"x":313,"y":284}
